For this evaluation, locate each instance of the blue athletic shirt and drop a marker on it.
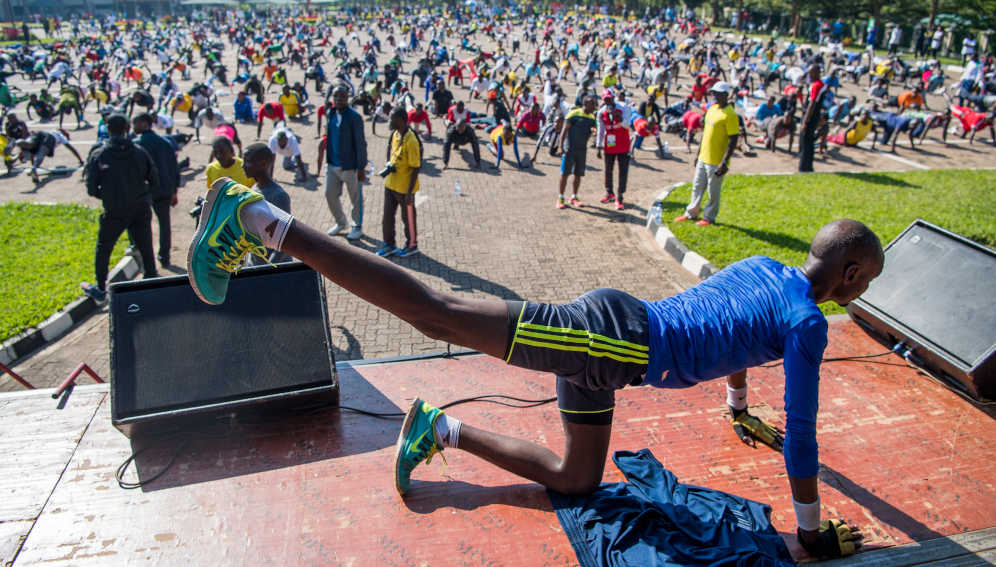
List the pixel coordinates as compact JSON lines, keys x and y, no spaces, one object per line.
{"x":753,"y":311}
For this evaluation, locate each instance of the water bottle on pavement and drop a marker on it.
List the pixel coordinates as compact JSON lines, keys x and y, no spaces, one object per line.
{"x":667,"y":147}
{"x":456,"y":188}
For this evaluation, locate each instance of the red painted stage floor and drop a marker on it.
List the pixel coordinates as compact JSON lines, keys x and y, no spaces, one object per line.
{"x":901,"y":456}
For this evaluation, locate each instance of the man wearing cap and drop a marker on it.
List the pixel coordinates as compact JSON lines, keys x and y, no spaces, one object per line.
{"x":719,"y":138}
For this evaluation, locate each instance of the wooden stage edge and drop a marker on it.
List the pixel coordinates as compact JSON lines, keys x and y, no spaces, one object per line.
{"x":902,"y":457}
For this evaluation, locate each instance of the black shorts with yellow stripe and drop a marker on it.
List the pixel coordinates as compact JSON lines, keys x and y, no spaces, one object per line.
{"x":596,"y":344}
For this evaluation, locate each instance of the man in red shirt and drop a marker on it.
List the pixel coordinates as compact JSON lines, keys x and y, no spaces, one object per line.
{"x":644,"y":129}
{"x":272,"y":110}
{"x":692,"y":120}
{"x":614,"y":140}
{"x":811,"y":119}
{"x":456,"y":113}
{"x":418,"y":116}
{"x":530,"y":122}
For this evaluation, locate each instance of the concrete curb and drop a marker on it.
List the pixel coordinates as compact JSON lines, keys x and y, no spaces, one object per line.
{"x":63,"y":320}
{"x":691,"y":261}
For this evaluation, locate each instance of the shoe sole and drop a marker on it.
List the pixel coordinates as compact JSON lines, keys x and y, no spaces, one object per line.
{"x":405,"y":428}
{"x":206,"y":211}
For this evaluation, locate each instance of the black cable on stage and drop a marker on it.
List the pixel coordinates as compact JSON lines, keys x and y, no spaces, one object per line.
{"x":487,"y":398}
{"x":835,"y":359}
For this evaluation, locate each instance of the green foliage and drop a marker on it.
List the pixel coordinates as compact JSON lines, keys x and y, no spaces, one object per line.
{"x":777,"y":215}
{"x":45,"y":252}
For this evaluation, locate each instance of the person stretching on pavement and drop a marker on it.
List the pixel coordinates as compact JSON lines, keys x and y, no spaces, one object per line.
{"x":752,"y":312}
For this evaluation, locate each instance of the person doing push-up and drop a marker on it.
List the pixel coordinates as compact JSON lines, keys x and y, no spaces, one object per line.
{"x":754,"y":311}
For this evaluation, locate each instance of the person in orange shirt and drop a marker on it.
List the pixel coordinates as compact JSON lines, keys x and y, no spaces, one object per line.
{"x":269,"y":69}
{"x":913,"y":98}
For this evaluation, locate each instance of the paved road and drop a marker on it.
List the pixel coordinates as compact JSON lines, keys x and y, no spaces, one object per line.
{"x":502,"y":237}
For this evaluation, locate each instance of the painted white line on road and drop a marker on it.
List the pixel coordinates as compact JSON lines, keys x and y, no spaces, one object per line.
{"x":908,"y":162}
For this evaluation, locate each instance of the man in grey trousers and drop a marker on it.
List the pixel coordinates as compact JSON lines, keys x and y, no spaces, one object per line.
{"x":346,"y":157}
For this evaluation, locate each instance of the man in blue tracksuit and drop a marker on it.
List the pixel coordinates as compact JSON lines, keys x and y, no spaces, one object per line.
{"x":346,"y":154}
{"x":754,"y":311}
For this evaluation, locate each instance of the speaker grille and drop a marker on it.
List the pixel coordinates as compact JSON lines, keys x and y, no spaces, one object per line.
{"x":169,"y":350}
{"x":941,"y":286}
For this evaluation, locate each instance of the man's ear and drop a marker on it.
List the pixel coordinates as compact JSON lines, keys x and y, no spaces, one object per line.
{"x":851,"y":273}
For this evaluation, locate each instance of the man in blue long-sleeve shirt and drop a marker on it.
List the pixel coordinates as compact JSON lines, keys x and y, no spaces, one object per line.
{"x":754,"y":311}
{"x":346,"y":154}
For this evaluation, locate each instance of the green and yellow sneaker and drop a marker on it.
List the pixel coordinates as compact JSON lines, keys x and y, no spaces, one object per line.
{"x":416,"y":442}
{"x":221,"y":241}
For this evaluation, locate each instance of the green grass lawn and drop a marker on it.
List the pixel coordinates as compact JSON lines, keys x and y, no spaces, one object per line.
{"x":45,"y":252}
{"x":777,"y":215}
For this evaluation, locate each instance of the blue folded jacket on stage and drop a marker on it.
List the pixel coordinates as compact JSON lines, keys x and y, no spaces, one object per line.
{"x":654,"y":520}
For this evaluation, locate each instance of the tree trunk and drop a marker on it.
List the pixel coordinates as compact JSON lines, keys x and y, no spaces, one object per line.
{"x":795,"y":19}
{"x":717,"y":12}
{"x":933,"y":14}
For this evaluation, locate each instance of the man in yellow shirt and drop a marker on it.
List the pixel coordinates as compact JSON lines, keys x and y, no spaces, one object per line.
{"x":225,"y":164}
{"x":719,"y":138}
{"x":290,"y":103}
{"x":404,"y":158}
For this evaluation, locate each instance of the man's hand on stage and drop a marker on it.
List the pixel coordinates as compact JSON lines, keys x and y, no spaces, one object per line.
{"x":750,"y":429}
{"x":835,"y":538}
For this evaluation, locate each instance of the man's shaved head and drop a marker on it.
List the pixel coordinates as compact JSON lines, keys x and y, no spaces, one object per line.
{"x":845,"y":239}
{"x":844,"y":257}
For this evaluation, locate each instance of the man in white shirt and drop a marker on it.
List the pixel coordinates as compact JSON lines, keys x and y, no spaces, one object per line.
{"x":968,"y":48}
{"x":210,"y":117}
{"x":971,"y":76}
{"x":894,"y":38}
{"x":283,"y":142}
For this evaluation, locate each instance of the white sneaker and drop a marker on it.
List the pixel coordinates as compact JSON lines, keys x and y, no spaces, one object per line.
{"x":336,"y":229}
{"x":355,"y":234}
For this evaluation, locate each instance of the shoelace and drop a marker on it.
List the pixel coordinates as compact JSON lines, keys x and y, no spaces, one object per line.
{"x":233,"y":258}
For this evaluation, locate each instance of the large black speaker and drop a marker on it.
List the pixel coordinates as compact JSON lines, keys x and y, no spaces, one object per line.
{"x":937,"y":294}
{"x":174,"y":357}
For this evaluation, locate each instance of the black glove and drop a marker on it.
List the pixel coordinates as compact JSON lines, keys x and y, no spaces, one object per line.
{"x":749,"y":428}
{"x":835,"y":539}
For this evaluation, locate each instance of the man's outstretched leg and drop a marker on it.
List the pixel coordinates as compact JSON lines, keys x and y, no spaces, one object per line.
{"x":236,"y":221}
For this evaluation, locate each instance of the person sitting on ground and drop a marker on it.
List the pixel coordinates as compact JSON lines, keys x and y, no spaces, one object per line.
{"x":752,"y":312}
{"x":457,"y":135}
{"x":856,"y":131}
{"x":911,"y":99}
